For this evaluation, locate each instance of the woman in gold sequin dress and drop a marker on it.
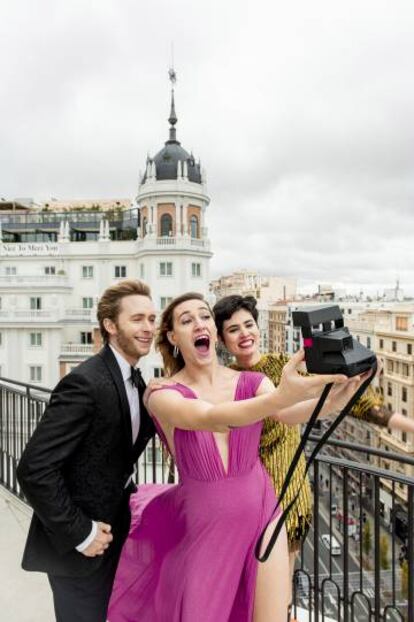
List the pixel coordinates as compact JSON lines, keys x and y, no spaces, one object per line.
{"x":236,"y":321}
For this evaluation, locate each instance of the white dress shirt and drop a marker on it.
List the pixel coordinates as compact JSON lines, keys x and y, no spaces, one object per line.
{"x":133,"y":400}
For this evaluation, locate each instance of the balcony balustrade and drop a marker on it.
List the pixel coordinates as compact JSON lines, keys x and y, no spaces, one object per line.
{"x":33,"y":280}
{"x":354,"y":565}
{"x":79,"y":314}
{"x":80,"y":349}
{"x":29,"y":315}
{"x":149,"y":242}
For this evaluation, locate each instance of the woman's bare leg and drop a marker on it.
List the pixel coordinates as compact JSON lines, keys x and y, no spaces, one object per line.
{"x":273,"y":581}
{"x":293,"y":553}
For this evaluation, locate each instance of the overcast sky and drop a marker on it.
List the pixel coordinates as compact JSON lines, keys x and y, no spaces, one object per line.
{"x":301,"y":112}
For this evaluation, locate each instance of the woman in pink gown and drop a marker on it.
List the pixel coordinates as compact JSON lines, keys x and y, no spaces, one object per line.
{"x":189,"y":556}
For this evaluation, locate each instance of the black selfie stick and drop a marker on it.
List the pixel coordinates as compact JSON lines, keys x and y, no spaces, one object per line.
{"x":296,"y":458}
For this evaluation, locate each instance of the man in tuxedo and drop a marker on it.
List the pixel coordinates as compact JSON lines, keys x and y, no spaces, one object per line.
{"x":76,"y":469}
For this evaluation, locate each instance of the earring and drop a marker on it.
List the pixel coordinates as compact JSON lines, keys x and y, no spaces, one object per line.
{"x":175,"y":352}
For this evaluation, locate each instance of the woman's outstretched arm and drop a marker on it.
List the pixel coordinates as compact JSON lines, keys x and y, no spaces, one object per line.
{"x":175,"y":411}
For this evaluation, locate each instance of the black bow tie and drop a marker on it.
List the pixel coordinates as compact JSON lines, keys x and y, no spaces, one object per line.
{"x":137,"y":379}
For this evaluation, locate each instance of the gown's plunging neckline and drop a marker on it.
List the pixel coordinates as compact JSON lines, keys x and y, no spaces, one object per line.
{"x":225,"y":470}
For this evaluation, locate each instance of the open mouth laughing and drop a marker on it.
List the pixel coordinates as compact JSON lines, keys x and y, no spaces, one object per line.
{"x":202,"y":344}
{"x":246,"y":343}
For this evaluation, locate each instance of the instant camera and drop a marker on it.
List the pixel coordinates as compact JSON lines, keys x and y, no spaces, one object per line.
{"x":329,"y":347}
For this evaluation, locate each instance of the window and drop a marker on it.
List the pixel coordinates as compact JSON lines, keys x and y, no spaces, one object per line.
{"x":401,"y":322}
{"x":389,"y":389}
{"x":166,"y":225}
{"x":404,"y":394}
{"x":158,"y":372}
{"x":151,"y":452}
{"x":141,"y":270}
{"x":394,"y":346}
{"x":87,"y":303}
{"x":390,"y":366}
{"x":10,"y":270}
{"x":35,"y":340}
{"x":87,"y":272}
{"x":196,"y":269}
{"x":0,"y":303}
{"x":368,"y":342}
{"x":404,"y":437}
{"x":409,"y":348}
{"x":165,"y":301}
{"x":381,"y":344}
{"x":405,"y":371}
{"x":86,"y":337}
{"x":50,"y":269}
{"x":166,"y":268}
{"x":194,"y":227}
{"x":35,"y":304}
{"x":1,"y":339}
{"x":35,"y":373}
{"x":120,"y":272}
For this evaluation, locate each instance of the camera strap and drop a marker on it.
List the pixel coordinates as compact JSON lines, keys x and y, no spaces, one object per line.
{"x":297,"y":456}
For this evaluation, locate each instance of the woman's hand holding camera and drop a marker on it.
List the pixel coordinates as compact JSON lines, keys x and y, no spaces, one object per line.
{"x":295,"y":387}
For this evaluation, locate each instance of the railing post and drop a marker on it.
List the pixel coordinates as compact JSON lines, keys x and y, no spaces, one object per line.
{"x":316,"y":540}
{"x":346,"y":546}
{"x":377,"y":556}
{"x":410,"y":551}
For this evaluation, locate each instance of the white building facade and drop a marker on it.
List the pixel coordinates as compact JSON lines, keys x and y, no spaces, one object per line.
{"x":55,"y":265}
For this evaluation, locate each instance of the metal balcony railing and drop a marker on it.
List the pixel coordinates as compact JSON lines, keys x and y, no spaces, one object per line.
{"x":357,"y":561}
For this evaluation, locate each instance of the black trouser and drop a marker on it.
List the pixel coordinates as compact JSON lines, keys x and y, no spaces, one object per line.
{"x":86,"y":599}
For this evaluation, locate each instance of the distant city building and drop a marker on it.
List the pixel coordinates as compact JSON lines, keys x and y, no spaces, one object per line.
{"x":277,"y":327}
{"x":57,"y":258}
{"x":394,"y":293}
{"x":267,"y":289}
{"x":390,"y":333}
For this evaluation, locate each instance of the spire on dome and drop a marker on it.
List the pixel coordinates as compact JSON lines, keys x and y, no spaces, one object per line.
{"x":173,"y":117}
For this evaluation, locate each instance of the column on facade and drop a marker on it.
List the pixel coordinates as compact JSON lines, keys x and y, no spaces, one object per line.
{"x":203,"y":232}
{"x":153,"y":219}
{"x":178,"y":222}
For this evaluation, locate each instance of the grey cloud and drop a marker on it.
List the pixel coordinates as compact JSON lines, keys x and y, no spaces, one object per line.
{"x":301,"y":113}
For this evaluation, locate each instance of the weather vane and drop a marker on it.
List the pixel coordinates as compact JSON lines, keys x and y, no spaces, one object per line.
{"x":171,"y":72}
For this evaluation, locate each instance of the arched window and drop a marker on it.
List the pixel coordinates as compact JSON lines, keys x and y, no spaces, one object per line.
{"x":166,"y":225}
{"x":194,"y":227}
{"x":144,"y":226}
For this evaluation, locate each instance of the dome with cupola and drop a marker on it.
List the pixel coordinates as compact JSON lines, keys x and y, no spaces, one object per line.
{"x":173,"y":161}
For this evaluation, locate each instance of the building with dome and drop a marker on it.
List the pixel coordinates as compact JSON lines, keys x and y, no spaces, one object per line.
{"x":57,"y":258}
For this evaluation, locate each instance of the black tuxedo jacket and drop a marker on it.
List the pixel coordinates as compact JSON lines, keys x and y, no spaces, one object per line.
{"x":76,"y":464}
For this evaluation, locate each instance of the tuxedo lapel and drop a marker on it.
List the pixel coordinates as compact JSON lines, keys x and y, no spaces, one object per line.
{"x":111,"y":362}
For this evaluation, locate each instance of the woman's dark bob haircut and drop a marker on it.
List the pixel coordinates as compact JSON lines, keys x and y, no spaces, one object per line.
{"x":227,"y":306}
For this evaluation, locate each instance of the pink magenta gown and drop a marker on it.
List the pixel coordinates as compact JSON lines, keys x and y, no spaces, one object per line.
{"x":189,"y":556}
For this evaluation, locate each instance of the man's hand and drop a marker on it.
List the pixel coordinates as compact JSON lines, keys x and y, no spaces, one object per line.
{"x":153,"y":385}
{"x":101,"y":542}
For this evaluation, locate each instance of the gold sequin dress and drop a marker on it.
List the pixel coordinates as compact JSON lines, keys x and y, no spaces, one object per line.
{"x":279,"y":442}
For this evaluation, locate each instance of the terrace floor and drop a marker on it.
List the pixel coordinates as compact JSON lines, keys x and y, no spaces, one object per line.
{"x":26,"y":596}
